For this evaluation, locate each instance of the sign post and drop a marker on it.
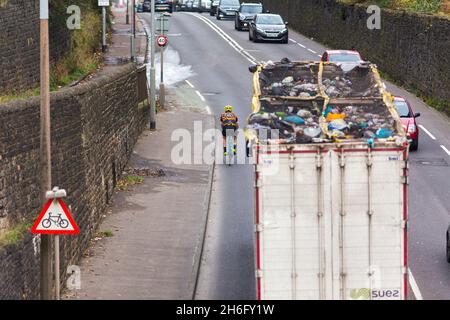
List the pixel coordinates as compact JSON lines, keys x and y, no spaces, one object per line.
{"x":103,"y":4}
{"x":45,"y":143}
{"x":152,"y":71}
{"x":163,"y":20}
{"x":55,"y":219}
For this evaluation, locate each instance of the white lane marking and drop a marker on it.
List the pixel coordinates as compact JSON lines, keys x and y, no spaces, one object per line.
{"x":208,"y":109}
{"x":312,"y":51}
{"x":427,"y":132}
{"x":445,"y":149}
{"x":189,"y":83}
{"x":200,"y":95}
{"x":319,"y":55}
{"x":226,"y":37}
{"x":293,"y":40}
{"x":301,"y":45}
{"x":414,"y":286}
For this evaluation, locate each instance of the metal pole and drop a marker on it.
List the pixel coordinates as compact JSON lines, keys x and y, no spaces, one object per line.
{"x":128,"y":15}
{"x":45,"y":149}
{"x":104,"y":29}
{"x":58,"y":290}
{"x":133,"y":49}
{"x":152,"y":71}
{"x":162,"y":93}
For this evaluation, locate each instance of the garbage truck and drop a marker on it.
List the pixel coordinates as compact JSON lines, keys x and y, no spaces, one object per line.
{"x":330,"y":176}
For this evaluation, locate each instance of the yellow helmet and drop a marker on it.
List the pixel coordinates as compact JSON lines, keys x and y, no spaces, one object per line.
{"x":228,"y":108}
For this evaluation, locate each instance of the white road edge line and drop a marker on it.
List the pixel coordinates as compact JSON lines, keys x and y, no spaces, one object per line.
{"x":208,"y":109}
{"x":200,"y":95}
{"x":445,"y":149}
{"x":427,"y":132}
{"x":226,"y":37}
{"x":312,"y":51}
{"x":301,"y":45}
{"x":414,"y":286}
{"x":293,"y":40}
{"x":319,"y":55}
{"x":189,"y":83}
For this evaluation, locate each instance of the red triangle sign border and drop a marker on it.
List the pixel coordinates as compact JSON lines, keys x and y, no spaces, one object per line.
{"x":66,"y":211}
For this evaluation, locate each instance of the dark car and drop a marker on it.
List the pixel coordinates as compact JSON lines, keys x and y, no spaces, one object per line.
{"x":214,"y":5}
{"x":164,"y":5}
{"x":245,"y":14}
{"x":182,"y":5}
{"x":268,"y":27}
{"x":147,"y":6}
{"x":227,"y":9}
{"x":448,"y":244}
{"x":408,"y":119}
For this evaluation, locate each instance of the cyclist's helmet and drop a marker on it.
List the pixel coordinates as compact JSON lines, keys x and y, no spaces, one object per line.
{"x":228,"y":108}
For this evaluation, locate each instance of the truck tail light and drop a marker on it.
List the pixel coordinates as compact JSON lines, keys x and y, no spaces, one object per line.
{"x":411,"y":128}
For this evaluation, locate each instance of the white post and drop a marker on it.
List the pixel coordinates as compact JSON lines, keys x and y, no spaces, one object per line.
{"x":104,"y":29}
{"x":57,"y":280}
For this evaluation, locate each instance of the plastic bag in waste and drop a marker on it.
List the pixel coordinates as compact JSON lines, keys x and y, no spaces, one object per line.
{"x":338,"y":124}
{"x":287,"y":80}
{"x":304,"y":113}
{"x":295,"y":119}
{"x":312,"y":132}
{"x":384,"y":133}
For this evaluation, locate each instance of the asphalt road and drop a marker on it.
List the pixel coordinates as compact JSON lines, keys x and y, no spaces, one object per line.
{"x":221,"y":67}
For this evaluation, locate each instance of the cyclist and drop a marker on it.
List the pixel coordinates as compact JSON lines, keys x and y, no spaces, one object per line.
{"x":229,"y":121}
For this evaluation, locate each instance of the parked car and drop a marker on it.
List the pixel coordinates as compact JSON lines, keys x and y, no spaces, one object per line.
{"x":190,"y":5}
{"x":214,"y":5}
{"x":408,"y":118}
{"x":227,"y":9}
{"x":347,"y":59}
{"x":139,"y":7}
{"x":448,"y":244}
{"x":268,"y":27}
{"x":245,"y":14}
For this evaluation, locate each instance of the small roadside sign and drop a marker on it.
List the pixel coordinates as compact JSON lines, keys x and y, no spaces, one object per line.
{"x":55,"y":218}
{"x":103,"y":3}
{"x":162,"y":40}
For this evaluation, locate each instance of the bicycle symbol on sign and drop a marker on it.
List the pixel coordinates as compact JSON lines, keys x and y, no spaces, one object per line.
{"x":55,"y":219}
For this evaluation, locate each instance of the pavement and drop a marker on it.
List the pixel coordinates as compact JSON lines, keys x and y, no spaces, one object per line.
{"x":220,"y":61}
{"x":149,"y":244}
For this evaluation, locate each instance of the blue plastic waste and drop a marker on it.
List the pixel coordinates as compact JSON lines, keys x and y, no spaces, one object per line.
{"x":384,"y":133}
{"x":295,"y":119}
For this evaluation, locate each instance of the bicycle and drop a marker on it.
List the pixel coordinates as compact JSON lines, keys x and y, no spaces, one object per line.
{"x":56,"y":219}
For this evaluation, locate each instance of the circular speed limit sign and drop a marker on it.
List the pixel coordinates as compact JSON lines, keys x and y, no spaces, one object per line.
{"x":161,"y":40}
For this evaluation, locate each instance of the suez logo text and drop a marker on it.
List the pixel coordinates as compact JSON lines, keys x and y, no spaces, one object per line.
{"x":376,"y":294}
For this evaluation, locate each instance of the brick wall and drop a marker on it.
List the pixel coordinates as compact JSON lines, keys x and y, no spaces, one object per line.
{"x":411,"y":48}
{"x":94,"y":128}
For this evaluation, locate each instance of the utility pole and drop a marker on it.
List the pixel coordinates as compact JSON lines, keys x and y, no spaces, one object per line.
{"x":152,"y":71}
{"x":45,"y":148}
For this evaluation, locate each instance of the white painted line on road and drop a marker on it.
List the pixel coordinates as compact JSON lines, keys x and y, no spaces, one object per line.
{"x":427,"y":132}
{"x":200,"y":95}
{"x":208,"y":109}
{"x":445,"y":149}
{"x":226,"y":37}
{"x":189,"y":83}
{"x":301,"y":45}
{"x":312,"y":51}
{"x":293,"y":40}
{"x":414,"y":286}
{"x":319,"y":55}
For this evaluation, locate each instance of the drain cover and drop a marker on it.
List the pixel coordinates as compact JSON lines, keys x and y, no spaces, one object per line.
{"x":437,"y":162}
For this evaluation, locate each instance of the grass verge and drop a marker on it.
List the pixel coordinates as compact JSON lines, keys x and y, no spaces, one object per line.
{"x":128,"y":181}
{"x":14,"y":235}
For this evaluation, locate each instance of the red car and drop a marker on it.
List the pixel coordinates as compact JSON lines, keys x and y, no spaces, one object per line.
{"x":408,"y":118}
{"x":347,"y":59}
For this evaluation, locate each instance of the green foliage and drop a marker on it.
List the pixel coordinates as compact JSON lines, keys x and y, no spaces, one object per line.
{"x":422,"y":6}
{"x":14,"y":235}
{"x":127,"y":181}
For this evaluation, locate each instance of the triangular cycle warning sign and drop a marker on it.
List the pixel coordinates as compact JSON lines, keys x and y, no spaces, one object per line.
{"x":55,"y":218}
